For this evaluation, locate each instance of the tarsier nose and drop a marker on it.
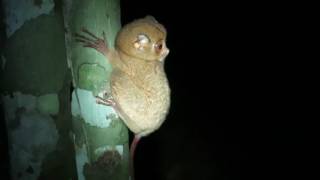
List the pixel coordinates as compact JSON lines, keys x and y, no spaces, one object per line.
{"x":166,"y":52}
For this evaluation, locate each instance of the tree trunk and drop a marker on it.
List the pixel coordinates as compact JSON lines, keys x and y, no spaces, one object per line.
{"x":101,"y":139}
{"x":35,"y":89}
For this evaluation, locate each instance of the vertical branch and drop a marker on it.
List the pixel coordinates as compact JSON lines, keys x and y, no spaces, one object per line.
{"x":101,"y":139}
{"x":35,"y":87}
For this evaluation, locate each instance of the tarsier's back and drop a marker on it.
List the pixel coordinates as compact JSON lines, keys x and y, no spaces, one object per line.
{"x":142,"y":108}
{"x":139,"y":86}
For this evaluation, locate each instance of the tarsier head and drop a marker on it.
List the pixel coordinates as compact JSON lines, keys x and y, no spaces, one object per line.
{"x":144,"y":39}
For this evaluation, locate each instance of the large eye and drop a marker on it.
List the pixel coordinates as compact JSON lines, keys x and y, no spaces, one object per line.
{"x":141,"y":42}
{"x":143,"y":39}
{"x":159,"y":46}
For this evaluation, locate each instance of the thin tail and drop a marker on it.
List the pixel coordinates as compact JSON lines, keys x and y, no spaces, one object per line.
{"x":132,"y":152}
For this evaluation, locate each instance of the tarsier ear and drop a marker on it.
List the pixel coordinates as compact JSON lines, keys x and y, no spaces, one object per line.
{"x":151,"y":18}
{"x":141,"y":41}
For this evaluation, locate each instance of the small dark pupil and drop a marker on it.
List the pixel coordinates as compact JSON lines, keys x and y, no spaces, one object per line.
{"x":160,"y":46}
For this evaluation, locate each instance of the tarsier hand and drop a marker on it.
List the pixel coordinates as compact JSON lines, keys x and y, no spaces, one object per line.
{"x":92,"y":41}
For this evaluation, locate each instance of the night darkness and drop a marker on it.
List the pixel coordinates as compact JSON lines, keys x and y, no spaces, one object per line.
{"x":232,"y":112}
{"x":232,"y":89}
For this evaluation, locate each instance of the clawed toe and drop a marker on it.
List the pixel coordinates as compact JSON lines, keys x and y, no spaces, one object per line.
{"x":106,"y":102}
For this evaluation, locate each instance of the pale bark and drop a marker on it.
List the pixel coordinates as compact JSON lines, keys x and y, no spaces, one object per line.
{"x":101,"y":139}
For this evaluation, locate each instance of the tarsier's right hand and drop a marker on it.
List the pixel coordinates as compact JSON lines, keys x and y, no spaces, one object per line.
{"x":90,"y":40}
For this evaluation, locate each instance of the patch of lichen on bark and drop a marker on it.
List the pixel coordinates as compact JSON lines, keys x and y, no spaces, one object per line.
{"x":92,"y":77}
{"x":113,"y":135}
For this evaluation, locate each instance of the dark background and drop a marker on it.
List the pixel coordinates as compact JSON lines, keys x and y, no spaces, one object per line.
{"x":236,"y":81}
{"x":236,"y":85}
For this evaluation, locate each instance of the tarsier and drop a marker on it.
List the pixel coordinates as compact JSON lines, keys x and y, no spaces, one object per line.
{"x":140,"y":93}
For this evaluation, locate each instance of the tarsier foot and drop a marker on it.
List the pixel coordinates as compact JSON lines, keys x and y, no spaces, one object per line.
{"x":92,"y":41}
{"x":106,"y":102}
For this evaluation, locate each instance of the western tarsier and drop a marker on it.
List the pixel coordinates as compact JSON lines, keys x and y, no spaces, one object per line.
{"x":140,"y":93}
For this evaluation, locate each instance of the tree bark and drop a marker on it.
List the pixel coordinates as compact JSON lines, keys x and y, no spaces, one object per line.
{"x":101,"y":139}
{"x":35,"y":93}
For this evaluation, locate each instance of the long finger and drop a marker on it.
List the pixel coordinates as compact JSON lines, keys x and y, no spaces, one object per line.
{"x":86,"y":43}
{"x":84,"y":38}
{"x":89,"y":33}
{"x":90,"y":46}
